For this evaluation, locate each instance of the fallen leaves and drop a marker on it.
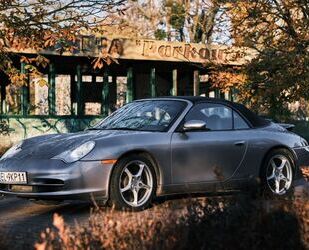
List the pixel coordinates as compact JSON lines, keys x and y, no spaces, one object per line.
{"x":305,"y":172}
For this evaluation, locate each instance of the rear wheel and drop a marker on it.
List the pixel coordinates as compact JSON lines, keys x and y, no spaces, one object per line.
{"x":133,"y":183}
{"x":277,"y":173}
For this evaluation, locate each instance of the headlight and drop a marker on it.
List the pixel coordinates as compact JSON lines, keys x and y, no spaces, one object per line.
{"x":76,"y":154}
{"x":12,"y":151}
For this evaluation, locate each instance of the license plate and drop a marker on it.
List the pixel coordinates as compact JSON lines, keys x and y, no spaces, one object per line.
{"x":13,"y":177}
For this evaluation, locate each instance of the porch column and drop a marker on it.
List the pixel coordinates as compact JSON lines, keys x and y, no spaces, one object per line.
{"x":174,"y":90}
{"x":153,"y":82}
{"x":231,"y":94}
{"x":105,"y":94}
{"x":80,"y":105}
{"x":207,"y":89}
{"x":217,"y":93}
{"x":72,"y":87}
{"x":130,"y":94}
{"x":196,"y":83}
{"x":222,"y":95}
{"x":52,"y":89}
{"x":24,"y":97}
{"x":1,"y":98}
{"x":3,"y":108}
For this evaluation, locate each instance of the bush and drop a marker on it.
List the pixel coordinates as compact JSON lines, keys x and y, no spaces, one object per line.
{"x":196,"y":223}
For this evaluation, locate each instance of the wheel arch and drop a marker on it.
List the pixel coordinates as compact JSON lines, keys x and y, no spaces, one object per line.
{"x":293,"y":154}
{"x":148,"y":155}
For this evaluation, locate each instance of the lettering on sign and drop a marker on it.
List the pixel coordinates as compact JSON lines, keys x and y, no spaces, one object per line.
{"x":146,"y":49}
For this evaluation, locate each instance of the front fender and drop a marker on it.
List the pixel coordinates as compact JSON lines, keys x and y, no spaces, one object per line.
{"x":157,"y":144}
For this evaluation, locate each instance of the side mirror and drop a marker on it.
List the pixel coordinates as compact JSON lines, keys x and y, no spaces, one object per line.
{"x":194,"y":125}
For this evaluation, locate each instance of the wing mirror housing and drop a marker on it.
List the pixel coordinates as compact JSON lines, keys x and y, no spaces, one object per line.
{"x":194,"y":125}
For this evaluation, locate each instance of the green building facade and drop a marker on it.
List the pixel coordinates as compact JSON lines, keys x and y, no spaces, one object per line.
{"x":72,"y":95}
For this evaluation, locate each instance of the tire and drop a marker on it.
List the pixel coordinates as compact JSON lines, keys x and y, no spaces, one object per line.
{"x":277,"y":174}
{"x":133,"y":183}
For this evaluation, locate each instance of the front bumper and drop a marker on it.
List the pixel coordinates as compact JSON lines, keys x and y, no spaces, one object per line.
{"x":54,"y":179}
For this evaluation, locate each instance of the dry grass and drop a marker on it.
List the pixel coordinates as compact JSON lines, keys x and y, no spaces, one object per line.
{"x":305,"y":171}
{"x":3,"y":150}
{"x":196,"y":223}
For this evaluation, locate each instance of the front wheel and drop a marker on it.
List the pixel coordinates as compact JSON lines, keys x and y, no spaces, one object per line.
{"x":133,"y":183}
{"x":277,"y":173}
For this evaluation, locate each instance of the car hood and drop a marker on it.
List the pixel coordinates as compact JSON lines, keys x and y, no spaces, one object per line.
{"x":48,"y":146}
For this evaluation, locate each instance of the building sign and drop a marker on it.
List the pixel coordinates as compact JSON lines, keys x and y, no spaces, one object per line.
{"x":147,"y":49}
{"x":190,"y":52}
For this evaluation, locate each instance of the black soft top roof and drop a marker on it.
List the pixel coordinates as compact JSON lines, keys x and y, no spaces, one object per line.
{"x":252,"y":118}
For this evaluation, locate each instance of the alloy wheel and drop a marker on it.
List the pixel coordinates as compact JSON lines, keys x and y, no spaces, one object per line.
{"x":279,"y":174}
{"x":136,"y":183}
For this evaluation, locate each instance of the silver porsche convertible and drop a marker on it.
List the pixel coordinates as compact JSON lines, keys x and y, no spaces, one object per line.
{"x":156,"y":147}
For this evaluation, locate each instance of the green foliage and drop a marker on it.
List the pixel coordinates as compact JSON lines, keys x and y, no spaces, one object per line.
{"x":278,"y":30}
{"x":277,"y":78}
{"x":177,"y":19}
{"x":160,"y":34}
{"x":4,"y":128}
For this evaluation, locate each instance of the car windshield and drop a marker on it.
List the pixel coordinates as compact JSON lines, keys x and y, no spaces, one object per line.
{"x":149,"y":115}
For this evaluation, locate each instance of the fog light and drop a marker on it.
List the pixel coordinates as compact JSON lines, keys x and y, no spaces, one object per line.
{"x":21,"y":188}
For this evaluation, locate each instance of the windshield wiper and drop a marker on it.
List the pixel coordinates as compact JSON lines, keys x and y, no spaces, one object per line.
{"x":121,"y":128}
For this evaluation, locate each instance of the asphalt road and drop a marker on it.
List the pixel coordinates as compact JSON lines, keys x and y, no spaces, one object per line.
{"x":21,"y":221}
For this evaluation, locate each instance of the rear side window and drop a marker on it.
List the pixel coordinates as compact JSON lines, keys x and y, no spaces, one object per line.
{"x":239,"y":122}
{"x":254,"y":119}
{"x":216,"y":116}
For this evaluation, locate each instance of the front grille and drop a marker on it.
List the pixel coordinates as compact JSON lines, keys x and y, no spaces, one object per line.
{"x":43,"y":189}
{"x":3,"y":187}
{"x":47,"y":182}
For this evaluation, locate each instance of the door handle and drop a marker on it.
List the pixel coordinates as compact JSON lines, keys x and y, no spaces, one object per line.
{"x":239,"y":143}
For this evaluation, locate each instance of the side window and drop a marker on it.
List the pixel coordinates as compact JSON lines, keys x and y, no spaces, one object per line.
{"x":239,"y":123}
{"x":216,"y":116}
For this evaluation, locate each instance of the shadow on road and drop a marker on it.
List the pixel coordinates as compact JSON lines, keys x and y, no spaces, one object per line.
{"x":22,"y":221}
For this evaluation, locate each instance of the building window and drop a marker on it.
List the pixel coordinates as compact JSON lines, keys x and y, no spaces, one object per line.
{"x":212,"y":94}
{"x":91,"y":95}
{"x":121,"y":91}
{"x":12,"y":99}
{"x":86,"y":78}
{"x":38,"y":89}
{"x":63,"y":95}
{"x":92,"y":108}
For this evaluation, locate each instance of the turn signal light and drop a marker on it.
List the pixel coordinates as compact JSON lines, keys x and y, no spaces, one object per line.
{"x":109,"y":161}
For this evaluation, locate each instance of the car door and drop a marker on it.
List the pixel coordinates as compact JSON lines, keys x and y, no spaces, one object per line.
{"x":212,"y":154}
